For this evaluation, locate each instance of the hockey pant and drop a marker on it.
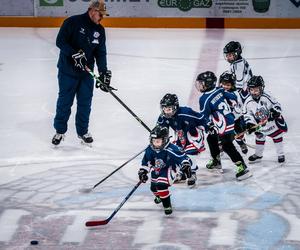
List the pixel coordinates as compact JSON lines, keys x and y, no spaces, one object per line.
{"x":239,"y":127}
{"x":275,"y":130}
{"x":69,"y":87}
{"x":227,"y":145}
{"x":191,"y":143}
{"x":161,"y":179}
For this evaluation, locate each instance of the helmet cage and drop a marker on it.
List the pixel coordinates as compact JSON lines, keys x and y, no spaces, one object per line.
{"x":256,"y":82}
{"x":169,"y":101}
{"x":256,"y":96}
{"x":233,"y":48}
{"x":228,"y":77}
{"x":173,"y":108}
{"x":159,"y":133}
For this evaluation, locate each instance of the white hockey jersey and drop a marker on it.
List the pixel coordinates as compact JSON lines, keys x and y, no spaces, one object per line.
{"x":242,"y":71}
{"x":256,"y":112}
{"x":237,"y":109}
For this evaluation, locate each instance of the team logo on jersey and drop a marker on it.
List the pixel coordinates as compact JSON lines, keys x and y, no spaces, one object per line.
{"x":82,"y":31}
{"x":261,"y":114}
{"x":185,"y":5}
{"x":96,"y":34}
{"x":159,"y":164}
{"x":296,"y":2}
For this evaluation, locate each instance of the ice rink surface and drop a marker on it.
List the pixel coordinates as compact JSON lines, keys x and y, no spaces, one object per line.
{"x":39,"y":198}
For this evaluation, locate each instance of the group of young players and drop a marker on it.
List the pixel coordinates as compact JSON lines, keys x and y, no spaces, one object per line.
{"x":236,"y":105}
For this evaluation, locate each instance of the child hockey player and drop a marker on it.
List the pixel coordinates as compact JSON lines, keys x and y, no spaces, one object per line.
{"x":161,"y":159}
{"x":213,"y":104}
{"x":227,"y":81}
{"x":239,"y":66}
{"x":188,"y":126}
{"x":262,"y":109}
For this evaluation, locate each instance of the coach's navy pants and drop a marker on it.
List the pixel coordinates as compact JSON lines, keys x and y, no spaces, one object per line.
{"x":69,"y":87}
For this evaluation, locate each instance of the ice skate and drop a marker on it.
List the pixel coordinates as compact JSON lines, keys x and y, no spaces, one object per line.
{"x":157,"y":200}
{"x":242,"y":173}
{"x":214,"y":164}
{"x":168,"y":210}
{"x":191,"y":182}
{"x":57,"y":138}
{"x":254,"y":158}
{"x":244,"y":148}
{"x":167,"y":205}
{"x":181,"y":177}
{"x":86,"y":139}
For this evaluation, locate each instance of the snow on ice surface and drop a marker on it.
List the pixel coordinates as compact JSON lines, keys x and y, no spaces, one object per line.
{"x":39,"y":184}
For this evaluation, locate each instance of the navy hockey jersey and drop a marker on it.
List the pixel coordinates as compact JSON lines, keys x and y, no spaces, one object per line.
{"x":170,"y":156}
{"x":185,"y":119}
{"x":214,"y":104}
{"x":79,"y":32}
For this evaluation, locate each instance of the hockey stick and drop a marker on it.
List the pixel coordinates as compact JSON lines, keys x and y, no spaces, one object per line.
{"x":109,"y":89}
{"x":88,"y":190}
{"x":94,"y":223}
{"x":257,"y":126}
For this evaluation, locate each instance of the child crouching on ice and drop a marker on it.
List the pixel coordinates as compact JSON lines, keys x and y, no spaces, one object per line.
{"x":262,"y":109}
{"x":162,"y":159}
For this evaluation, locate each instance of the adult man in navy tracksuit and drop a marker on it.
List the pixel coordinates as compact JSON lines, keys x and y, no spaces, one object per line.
{"x":81,"y":40}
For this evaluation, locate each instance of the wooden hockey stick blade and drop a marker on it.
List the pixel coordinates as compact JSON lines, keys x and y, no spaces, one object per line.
{"x":94,"y":223}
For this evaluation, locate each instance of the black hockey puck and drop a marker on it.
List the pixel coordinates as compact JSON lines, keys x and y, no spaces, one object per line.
{"x":34,"y":242}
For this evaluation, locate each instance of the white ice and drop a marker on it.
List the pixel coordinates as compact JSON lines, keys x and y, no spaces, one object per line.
{"x":40,"y":184}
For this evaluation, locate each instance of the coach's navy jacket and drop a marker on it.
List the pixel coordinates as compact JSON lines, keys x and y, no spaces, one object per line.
{"x":79,"y":32}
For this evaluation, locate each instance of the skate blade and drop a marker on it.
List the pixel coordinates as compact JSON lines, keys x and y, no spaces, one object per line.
{"x":90,"y":145}
{"x":245,"y":176}
{"x":216,"y":170}
{"x":220,"y":170}
{"x":192,"y":186}
{"x":254,"y":162}
{"x":179,"y":181}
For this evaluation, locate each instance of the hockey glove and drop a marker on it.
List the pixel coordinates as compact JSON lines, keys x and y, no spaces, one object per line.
{"x":251,"y":128}
{"x":186,"y":169}
{"x":274,"y":114}
{"x":212,"y":129}
{"x":80,"y":60}
{"x":103,"y":81}
{"x":143,"y":175}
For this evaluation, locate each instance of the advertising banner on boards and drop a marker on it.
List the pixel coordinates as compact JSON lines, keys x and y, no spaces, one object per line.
{"x":159,"y":8}
{"x":17,"y":8}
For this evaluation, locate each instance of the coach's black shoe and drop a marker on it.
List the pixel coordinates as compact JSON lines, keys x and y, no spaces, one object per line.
{"x":57,"y":138}
{"x":86,"y":138}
